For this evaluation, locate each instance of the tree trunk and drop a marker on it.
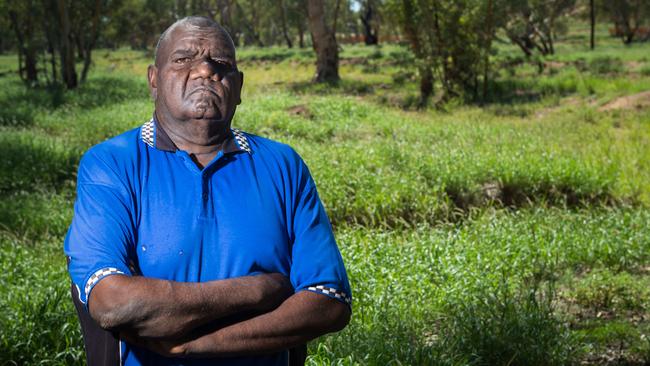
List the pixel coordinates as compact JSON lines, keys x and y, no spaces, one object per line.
{"x":442,"y":52}
{"x":301,"y":35}
{"x":180,"y":8}
{"x":283,"y":22}
{"x":369,"y":36}
{"x":90,"y":44}
{"x":521,"y":44}
{"x":26,"y":52}
{"x":551,"y":34}
{"x":488,"y":46}
{"x":324,"y":42}
{"x":52,"y":51}
{"x":225,"y":18}
{"x":336,"y":16}
{"x":426,"y":86}
{"x":31,"y":64}
{"x":252,"y":36}
{"x":411,"y":34}
{"x":68,"y":72}
{"x":592,"y":16}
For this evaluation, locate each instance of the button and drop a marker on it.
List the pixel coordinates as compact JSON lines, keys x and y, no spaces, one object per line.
{"x":205,"y":196}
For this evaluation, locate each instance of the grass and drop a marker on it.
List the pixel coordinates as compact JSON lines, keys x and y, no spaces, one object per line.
{"x":512,"y":233}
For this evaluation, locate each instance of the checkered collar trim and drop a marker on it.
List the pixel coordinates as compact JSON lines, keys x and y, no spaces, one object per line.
{"x":155,"y":137}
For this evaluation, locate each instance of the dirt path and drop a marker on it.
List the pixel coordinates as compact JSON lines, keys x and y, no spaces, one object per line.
{"x":634,"y":101}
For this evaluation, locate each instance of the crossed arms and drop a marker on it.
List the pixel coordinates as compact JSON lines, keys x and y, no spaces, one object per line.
{"x":239,"y":316}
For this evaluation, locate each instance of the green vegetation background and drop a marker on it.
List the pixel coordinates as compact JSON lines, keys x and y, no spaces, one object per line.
{"x":513,"y":233}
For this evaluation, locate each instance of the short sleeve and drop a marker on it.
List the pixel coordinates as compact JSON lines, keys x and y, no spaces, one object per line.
{"x":317,"y":264}
{"x":101,"y":233}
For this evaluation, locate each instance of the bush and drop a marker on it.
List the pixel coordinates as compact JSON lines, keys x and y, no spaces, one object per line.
{"x":606,"y":65}
{"x":604,"y":290}
{"x":505,"y":326}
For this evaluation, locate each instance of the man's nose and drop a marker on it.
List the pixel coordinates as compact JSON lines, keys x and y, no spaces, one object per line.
{"x":205,"y":69}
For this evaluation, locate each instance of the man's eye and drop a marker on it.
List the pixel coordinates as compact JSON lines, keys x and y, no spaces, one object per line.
{"x":182,"y":60}
{"x":223,"y":66}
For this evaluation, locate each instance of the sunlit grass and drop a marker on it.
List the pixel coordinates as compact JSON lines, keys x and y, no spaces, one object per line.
{"x":473,"y":234}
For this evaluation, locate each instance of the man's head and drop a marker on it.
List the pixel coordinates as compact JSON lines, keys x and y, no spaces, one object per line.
{"x":195,"y":76}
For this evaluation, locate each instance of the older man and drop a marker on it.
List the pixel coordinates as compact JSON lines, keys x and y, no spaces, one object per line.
{"x":196,"y":243}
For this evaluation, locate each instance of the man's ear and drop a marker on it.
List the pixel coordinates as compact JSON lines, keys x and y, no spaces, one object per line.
{"x":152,"y":72}
{"x":241,"y":85}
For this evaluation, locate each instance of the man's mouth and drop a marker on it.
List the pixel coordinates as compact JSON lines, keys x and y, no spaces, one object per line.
{"x":205,"y":89}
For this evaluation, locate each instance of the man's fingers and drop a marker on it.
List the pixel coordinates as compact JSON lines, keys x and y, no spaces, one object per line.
{"x":161,"y":347}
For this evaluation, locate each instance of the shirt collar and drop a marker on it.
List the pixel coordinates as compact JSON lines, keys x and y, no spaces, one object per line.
{"x":155,"y":136}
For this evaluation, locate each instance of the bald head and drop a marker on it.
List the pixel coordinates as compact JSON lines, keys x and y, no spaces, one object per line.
{"x":193,"y":23}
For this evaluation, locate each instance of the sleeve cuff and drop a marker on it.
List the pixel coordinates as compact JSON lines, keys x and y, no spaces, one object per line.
{"x":331,"y":292}
{"x":98,"y":276}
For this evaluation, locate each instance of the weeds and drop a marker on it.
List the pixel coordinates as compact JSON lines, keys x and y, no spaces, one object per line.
{"x":444,"y":216}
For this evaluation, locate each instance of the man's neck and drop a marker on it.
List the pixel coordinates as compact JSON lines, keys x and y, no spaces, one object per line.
{"x":201,"y":139}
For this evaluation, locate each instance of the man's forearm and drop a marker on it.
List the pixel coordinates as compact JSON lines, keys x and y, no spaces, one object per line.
{"x":301,"y":318}
{"x":155,"y":308}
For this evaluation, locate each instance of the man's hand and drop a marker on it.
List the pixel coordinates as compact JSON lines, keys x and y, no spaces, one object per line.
{"x":301,"y":318}
{"x":162,"y":347}
{"x":152,"y":308}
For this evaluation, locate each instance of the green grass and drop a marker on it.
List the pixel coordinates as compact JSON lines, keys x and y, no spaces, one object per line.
{"x":512,"y":233}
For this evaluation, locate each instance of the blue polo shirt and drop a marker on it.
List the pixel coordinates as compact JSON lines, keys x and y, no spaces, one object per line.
{"x":145,"y":208}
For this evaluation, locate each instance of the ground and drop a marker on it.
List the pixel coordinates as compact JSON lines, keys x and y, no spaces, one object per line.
{"x":514,"y":232}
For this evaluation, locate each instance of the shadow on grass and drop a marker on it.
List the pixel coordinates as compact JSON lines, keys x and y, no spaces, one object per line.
{"x":19,"y":104}
{"x":519,"y":195}
{"x":458,"y":203}
{"x":512,"y":91}
{"x":29,"y":163}
{"x":35,"y":215}
{"x":277,"y":55}
{"x":347,"y":87}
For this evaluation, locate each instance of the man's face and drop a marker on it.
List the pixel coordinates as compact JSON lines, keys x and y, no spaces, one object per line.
{"x":196,"y":76}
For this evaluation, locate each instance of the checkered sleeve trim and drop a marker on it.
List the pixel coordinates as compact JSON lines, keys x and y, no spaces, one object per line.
{"x":242,"y":140}
{"x":147,"y":133}
{"x":332,"y":292}
{"x":98,"y":275}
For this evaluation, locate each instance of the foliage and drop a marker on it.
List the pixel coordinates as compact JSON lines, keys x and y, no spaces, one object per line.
{"x":533,"y":24}
{"x":58,"y":28}
{"x":628,"y":17}
{"x":606,"y":65}
{"x":454,"y":47}
{"x":602,"y":290}
{"x":453,"y":223}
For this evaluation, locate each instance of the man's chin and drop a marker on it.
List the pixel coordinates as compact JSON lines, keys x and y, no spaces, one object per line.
{"x":209,"y":114}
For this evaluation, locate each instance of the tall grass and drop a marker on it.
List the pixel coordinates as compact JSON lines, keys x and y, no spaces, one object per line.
{"x":482,"y":235}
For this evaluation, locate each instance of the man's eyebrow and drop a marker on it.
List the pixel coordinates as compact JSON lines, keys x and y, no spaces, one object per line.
{"x":184,"y":52}
{"x":224,"y":58}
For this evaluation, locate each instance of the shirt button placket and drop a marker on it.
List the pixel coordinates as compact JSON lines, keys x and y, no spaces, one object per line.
{"x":205,"y":187}
{"x":206,"y":206}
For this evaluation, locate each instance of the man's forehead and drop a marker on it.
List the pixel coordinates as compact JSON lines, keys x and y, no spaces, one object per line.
{"x":193,"y":37}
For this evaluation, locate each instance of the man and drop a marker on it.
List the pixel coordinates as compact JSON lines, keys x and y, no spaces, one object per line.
{"x":197,"y":244}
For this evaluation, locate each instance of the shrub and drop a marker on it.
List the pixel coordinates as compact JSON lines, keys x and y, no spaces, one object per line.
{"x":606,"y":65}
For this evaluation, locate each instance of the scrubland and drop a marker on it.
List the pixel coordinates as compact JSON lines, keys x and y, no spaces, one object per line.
{"x":516,"y":232}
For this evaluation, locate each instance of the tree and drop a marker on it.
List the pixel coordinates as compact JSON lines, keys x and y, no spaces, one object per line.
{"x":407,"y":13}
{"x":369,"y":20}
{"x":65,"y":46}
{"x":592,"y":24}
{"x":49,"y":32}
{"x":324,"y":42}
{"x":250,"y":18}
{"x":532,"y":24}
{"x":21,"y":16}
{"x":85,"y":29}
{"x":283,"y":19}
{"x":453,"y":49}
{"x":628,"y":16}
